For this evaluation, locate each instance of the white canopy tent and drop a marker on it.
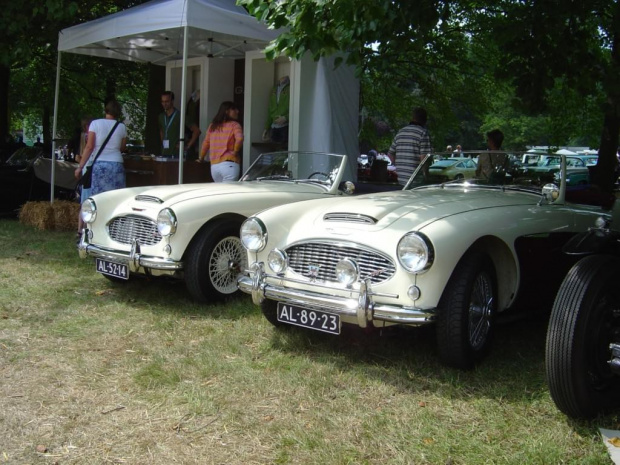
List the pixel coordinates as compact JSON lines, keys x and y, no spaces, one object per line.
{"x":164,"y":30}
{"x":324,"y":100}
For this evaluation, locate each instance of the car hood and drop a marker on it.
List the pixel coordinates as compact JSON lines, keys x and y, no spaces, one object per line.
{"x":421,"y":206}
{"x":174,"y":194}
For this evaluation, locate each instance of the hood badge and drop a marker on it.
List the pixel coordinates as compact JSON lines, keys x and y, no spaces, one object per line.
{"x":313,"y":272}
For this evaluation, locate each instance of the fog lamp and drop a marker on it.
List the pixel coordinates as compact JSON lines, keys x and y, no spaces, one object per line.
{"x":347,"y":271}
{"x":413,"y":292}
{"x":277,"y":260}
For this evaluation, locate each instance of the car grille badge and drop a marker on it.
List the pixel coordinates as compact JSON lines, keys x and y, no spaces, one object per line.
{"x":313,"y":272}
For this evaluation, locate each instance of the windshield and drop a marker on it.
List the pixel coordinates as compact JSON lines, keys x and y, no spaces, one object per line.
{"x":484,"y":169}
{"x":315,"y":167}
{"x":24,"y":156}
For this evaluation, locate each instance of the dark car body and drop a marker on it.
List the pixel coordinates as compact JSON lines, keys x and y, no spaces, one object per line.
{"x":20,"y":183}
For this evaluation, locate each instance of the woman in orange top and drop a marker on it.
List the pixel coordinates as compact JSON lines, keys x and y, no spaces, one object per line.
{"x":223,"y":141}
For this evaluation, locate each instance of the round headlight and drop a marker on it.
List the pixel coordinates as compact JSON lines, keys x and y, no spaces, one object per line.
{"x":600,"y":222}
{"x":89,"y":211}
{"x":277,"y":260}
{"x":253,"y":234}
{"x":166,"y":222}
{"x":347,"y":271}
{"x":415,"y":252}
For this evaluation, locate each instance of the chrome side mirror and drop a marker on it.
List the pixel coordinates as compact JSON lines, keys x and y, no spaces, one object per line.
{"x":550,"y":192}
{"x":347,"y":187}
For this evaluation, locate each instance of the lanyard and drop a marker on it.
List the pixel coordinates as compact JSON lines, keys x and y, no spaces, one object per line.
{"x":167,"y":122}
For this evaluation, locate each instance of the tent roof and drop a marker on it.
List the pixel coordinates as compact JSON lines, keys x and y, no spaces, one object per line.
{"x":153,"y":32}
{"x":565,"y":152}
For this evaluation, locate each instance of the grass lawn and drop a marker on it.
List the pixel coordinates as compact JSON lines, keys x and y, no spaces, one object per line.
{"x":93,"y":372}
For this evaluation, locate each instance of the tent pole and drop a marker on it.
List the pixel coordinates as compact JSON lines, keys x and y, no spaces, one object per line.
{"x":183,"y":94}
{"x":53,"y":172}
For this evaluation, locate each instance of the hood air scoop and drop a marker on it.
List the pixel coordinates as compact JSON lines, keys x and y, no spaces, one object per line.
{"x":349,"y":218}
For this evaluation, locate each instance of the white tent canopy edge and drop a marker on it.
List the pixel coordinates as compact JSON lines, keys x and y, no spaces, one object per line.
{"x":152,"y":32}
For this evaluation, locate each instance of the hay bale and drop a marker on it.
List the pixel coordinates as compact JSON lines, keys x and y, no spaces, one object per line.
{"x":37,"y":214}
{"x":61,"y":216}
{"x":66,"y":215}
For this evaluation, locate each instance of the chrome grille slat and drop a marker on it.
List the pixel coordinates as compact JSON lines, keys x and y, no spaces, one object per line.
{"x":326,"y":255}
{"x":125,"y":229}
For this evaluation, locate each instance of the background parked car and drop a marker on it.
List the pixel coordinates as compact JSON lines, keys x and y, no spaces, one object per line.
{"x":456,"y":168}
{"x":21,"y":184}
{"x":583,"y":340}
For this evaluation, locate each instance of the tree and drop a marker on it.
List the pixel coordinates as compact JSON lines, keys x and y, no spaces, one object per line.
{"x":28,"y":38}
{"x":533,"y":47}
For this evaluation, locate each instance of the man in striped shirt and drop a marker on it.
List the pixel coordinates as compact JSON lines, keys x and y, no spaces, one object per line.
{"x":410,"y":146}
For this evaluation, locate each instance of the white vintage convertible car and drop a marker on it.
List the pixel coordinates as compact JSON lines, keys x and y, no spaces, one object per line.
{"x":191,"y":231}
{"x":454,"y":254}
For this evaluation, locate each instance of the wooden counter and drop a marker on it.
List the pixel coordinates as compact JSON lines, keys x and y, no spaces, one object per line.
{"x":150,"y":172}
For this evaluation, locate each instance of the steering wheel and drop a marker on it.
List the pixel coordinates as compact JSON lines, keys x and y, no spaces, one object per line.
{"x":319,"y":172}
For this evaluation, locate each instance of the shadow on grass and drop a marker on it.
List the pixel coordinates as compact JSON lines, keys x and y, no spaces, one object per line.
{"x":406,"y":358}
{"x":170,"y":296}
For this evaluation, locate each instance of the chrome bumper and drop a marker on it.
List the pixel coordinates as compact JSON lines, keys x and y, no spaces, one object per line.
{"x":133,"y":259}
{"x":363,"y":308}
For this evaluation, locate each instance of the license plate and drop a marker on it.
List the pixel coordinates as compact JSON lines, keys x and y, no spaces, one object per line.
{"x":313,"y":319}
{"x":118,"y":270}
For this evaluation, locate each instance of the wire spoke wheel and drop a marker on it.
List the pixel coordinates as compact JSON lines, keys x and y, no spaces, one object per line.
{"x":226,"y":261}
{"x":480,"y":311}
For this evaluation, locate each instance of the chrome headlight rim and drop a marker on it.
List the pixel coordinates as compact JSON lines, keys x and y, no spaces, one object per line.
{"x":415,"y":252}
{"x":253,"y":234}
{"x":277,"y":261}
{"x":166,"y":222}
{"x":88,"y":211}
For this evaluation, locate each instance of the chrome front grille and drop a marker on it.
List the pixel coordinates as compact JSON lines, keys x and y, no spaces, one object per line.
{"x":125,"y":229}
{"x":320,"y":259}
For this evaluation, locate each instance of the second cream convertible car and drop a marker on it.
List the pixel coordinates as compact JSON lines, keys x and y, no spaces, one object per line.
{"x":454,"y":254}
{"x":191,"y":231}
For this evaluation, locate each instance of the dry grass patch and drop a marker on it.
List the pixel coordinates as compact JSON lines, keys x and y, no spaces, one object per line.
{"x":100,"y":373}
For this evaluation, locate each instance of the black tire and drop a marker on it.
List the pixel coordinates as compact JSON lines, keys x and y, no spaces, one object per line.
{"x":466,"y":312}
{"x":213,"y":261}
{"x":459,"y":177}
{"x":584,"y":320}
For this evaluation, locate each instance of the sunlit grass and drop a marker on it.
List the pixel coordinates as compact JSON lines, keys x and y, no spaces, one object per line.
{"x":138,"y":373}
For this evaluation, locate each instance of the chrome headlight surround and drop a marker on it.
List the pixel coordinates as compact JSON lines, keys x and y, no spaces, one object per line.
{"x":277,"y":261}
{"x":347,"y":271}
{"x":253,"y":234}
{"x":415,"y":252}
{"x":166,"y":222}
{"x":88,"y":211}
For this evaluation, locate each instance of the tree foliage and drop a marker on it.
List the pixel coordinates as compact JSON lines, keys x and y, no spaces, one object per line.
{"x":539,"y":69}
{"x":28,"y":54}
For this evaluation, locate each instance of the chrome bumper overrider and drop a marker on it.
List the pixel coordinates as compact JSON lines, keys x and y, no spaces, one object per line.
{"x":133,"y":259}
{"x":362,"y":307}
